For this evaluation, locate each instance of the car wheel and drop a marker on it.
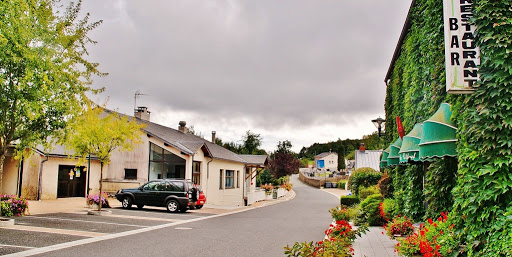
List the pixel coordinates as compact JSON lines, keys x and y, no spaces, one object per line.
{"x":127,"y":202}
{"x":172,"y":206}
{"x":199,"y":207}
{"x":140,"y":206}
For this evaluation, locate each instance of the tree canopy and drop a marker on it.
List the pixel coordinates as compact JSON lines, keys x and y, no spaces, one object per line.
{"x":44,"y":75}
{"x":99,"y":133}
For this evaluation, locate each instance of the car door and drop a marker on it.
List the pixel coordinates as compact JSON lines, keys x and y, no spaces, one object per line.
{"x":147,"y":194}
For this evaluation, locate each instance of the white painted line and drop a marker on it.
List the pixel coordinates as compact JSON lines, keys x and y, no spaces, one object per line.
{"x":17,"y":246}
{"x":56,"y":231}
{"x":88,"y":221}
{"x":122,"y":234}
{"x":183,"y":228}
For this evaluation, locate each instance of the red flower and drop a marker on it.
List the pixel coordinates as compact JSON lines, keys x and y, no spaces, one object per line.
{"x":430,"y":221}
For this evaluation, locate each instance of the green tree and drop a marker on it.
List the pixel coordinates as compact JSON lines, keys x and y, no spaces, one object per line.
{"x":99,"y":133}
{"x":251,"y":143}
{"x":44,"y":75}
{"x":284,"y":147}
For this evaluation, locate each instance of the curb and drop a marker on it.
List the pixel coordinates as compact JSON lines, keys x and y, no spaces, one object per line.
{"x":5,"y":222}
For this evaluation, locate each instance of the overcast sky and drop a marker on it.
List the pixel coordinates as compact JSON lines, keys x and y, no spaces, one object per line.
{"x":305,"y":71}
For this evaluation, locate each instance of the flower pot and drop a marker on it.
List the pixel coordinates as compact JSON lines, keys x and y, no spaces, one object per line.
{"x":4,"y":222}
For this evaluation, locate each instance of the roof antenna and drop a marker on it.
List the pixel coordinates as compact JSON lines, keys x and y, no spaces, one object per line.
{"x":137,"y":94}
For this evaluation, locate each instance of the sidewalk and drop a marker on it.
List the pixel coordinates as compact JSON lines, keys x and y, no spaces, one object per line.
{"x":78,"y":204}
{"x":372,"y":244}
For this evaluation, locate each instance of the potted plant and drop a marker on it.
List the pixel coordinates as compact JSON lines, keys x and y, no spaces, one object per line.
{"x":93,"y":200}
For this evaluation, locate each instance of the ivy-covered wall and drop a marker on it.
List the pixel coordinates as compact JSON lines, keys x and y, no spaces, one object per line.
{"x":476,"y":186}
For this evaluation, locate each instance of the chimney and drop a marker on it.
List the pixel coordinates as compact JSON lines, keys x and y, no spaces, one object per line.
{"x":182,"y":127}
{"x":142,"y":113}
{"x":362,"y":147}
{"x":213,"y":136}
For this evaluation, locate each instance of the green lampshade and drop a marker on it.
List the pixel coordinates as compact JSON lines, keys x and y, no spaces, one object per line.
{"x":410,"y":150}
{"x":393,"y":158}
{"x":384,"y":158}
{"x":439,"y":135}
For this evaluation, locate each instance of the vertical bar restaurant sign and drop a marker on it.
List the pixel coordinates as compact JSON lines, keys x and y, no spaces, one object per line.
{"x":461,"y":54}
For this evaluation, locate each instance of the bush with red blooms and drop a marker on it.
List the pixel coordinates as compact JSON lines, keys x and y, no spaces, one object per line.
{"x":433,"y":239}
{"x":400,"y":225}
{"x":338,"y":242}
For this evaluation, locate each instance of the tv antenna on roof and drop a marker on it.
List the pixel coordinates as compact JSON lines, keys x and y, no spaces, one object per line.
{"x":137,"y":94}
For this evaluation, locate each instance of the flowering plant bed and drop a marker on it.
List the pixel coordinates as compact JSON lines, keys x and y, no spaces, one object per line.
{"x":434,"y":238}
{"x":11,"y":205}
{"x":268,"y":188}
{"x":399,"y":226}
{"x":94,"y":199}
{"x":338,"y":241}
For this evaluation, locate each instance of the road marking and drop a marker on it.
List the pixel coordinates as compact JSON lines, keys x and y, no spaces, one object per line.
{"x":88,"y":221}
{"x":56,"y":231}
{"x":183,"y":228}
{"x":17,"y":246}
{"x":122,"y":234}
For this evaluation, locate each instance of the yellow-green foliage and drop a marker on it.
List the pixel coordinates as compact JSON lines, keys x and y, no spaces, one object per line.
{"x":99,"y":133}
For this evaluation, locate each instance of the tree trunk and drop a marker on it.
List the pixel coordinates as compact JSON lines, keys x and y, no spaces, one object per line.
{"x":2,"y":159}
{"x":101,"y":186}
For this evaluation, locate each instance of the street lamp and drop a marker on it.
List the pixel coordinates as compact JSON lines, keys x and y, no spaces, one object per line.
{"x":379,"y":123}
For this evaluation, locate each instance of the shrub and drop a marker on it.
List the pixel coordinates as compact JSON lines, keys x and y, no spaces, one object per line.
{"x":367,"y":191}
{"x":400,"y":225}
{"x":370,"y":212}
{"x":340,"y":213}
{"x":385,"y":186}
{"x":363,"y":177}
{"x":389,"y":209}
{"x":341,"y":184}
{"x":12,"y":205}
{"x":349,"y":200}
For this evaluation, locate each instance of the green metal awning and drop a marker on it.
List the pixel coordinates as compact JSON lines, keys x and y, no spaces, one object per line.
{"x":384,"y":158}
{"x":439,"y":135}
{"x":410,"y":150}
{"x":393,"y":158}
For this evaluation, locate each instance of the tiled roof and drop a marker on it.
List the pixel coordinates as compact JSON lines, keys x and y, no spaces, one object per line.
{"x":322,"y":155}
{"x":254,"y":159}
{"x":368,"y":158}
{"x":188,"y":143}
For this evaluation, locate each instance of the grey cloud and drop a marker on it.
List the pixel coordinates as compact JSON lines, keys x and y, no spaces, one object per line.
{"x":277,"y":62}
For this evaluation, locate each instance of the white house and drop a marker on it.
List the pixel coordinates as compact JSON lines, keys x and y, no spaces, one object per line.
{"x":327,"y":161}
{"x":226,"y":178}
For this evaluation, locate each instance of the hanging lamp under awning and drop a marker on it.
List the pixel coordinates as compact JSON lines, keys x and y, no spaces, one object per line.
{"x":439,"y":137}
{"x":384,"y":158}
{"x":393,"y":158}
{"x":410,"y":150}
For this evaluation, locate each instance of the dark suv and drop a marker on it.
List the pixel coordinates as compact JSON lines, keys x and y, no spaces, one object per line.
{"x":174,"y":194}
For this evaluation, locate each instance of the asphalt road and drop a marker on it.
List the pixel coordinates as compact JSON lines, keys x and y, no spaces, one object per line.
{"x":256,"y":232}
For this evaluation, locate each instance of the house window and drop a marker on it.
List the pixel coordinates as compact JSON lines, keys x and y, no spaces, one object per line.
{"x":238,"y":179}
{"x":164,"y":164}
{"x":130,"y":173}
{"x":229,"y":179}
{"x":196,"y":173}
{"x":220,"y":179}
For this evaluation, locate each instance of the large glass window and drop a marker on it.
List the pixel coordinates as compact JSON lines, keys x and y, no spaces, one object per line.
{"x":164,"y":164}
{"x":230,"y":174}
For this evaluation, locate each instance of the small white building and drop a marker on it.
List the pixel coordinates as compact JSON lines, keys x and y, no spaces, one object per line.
{"x":226,"y":177}
{"x":327,"y":161}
